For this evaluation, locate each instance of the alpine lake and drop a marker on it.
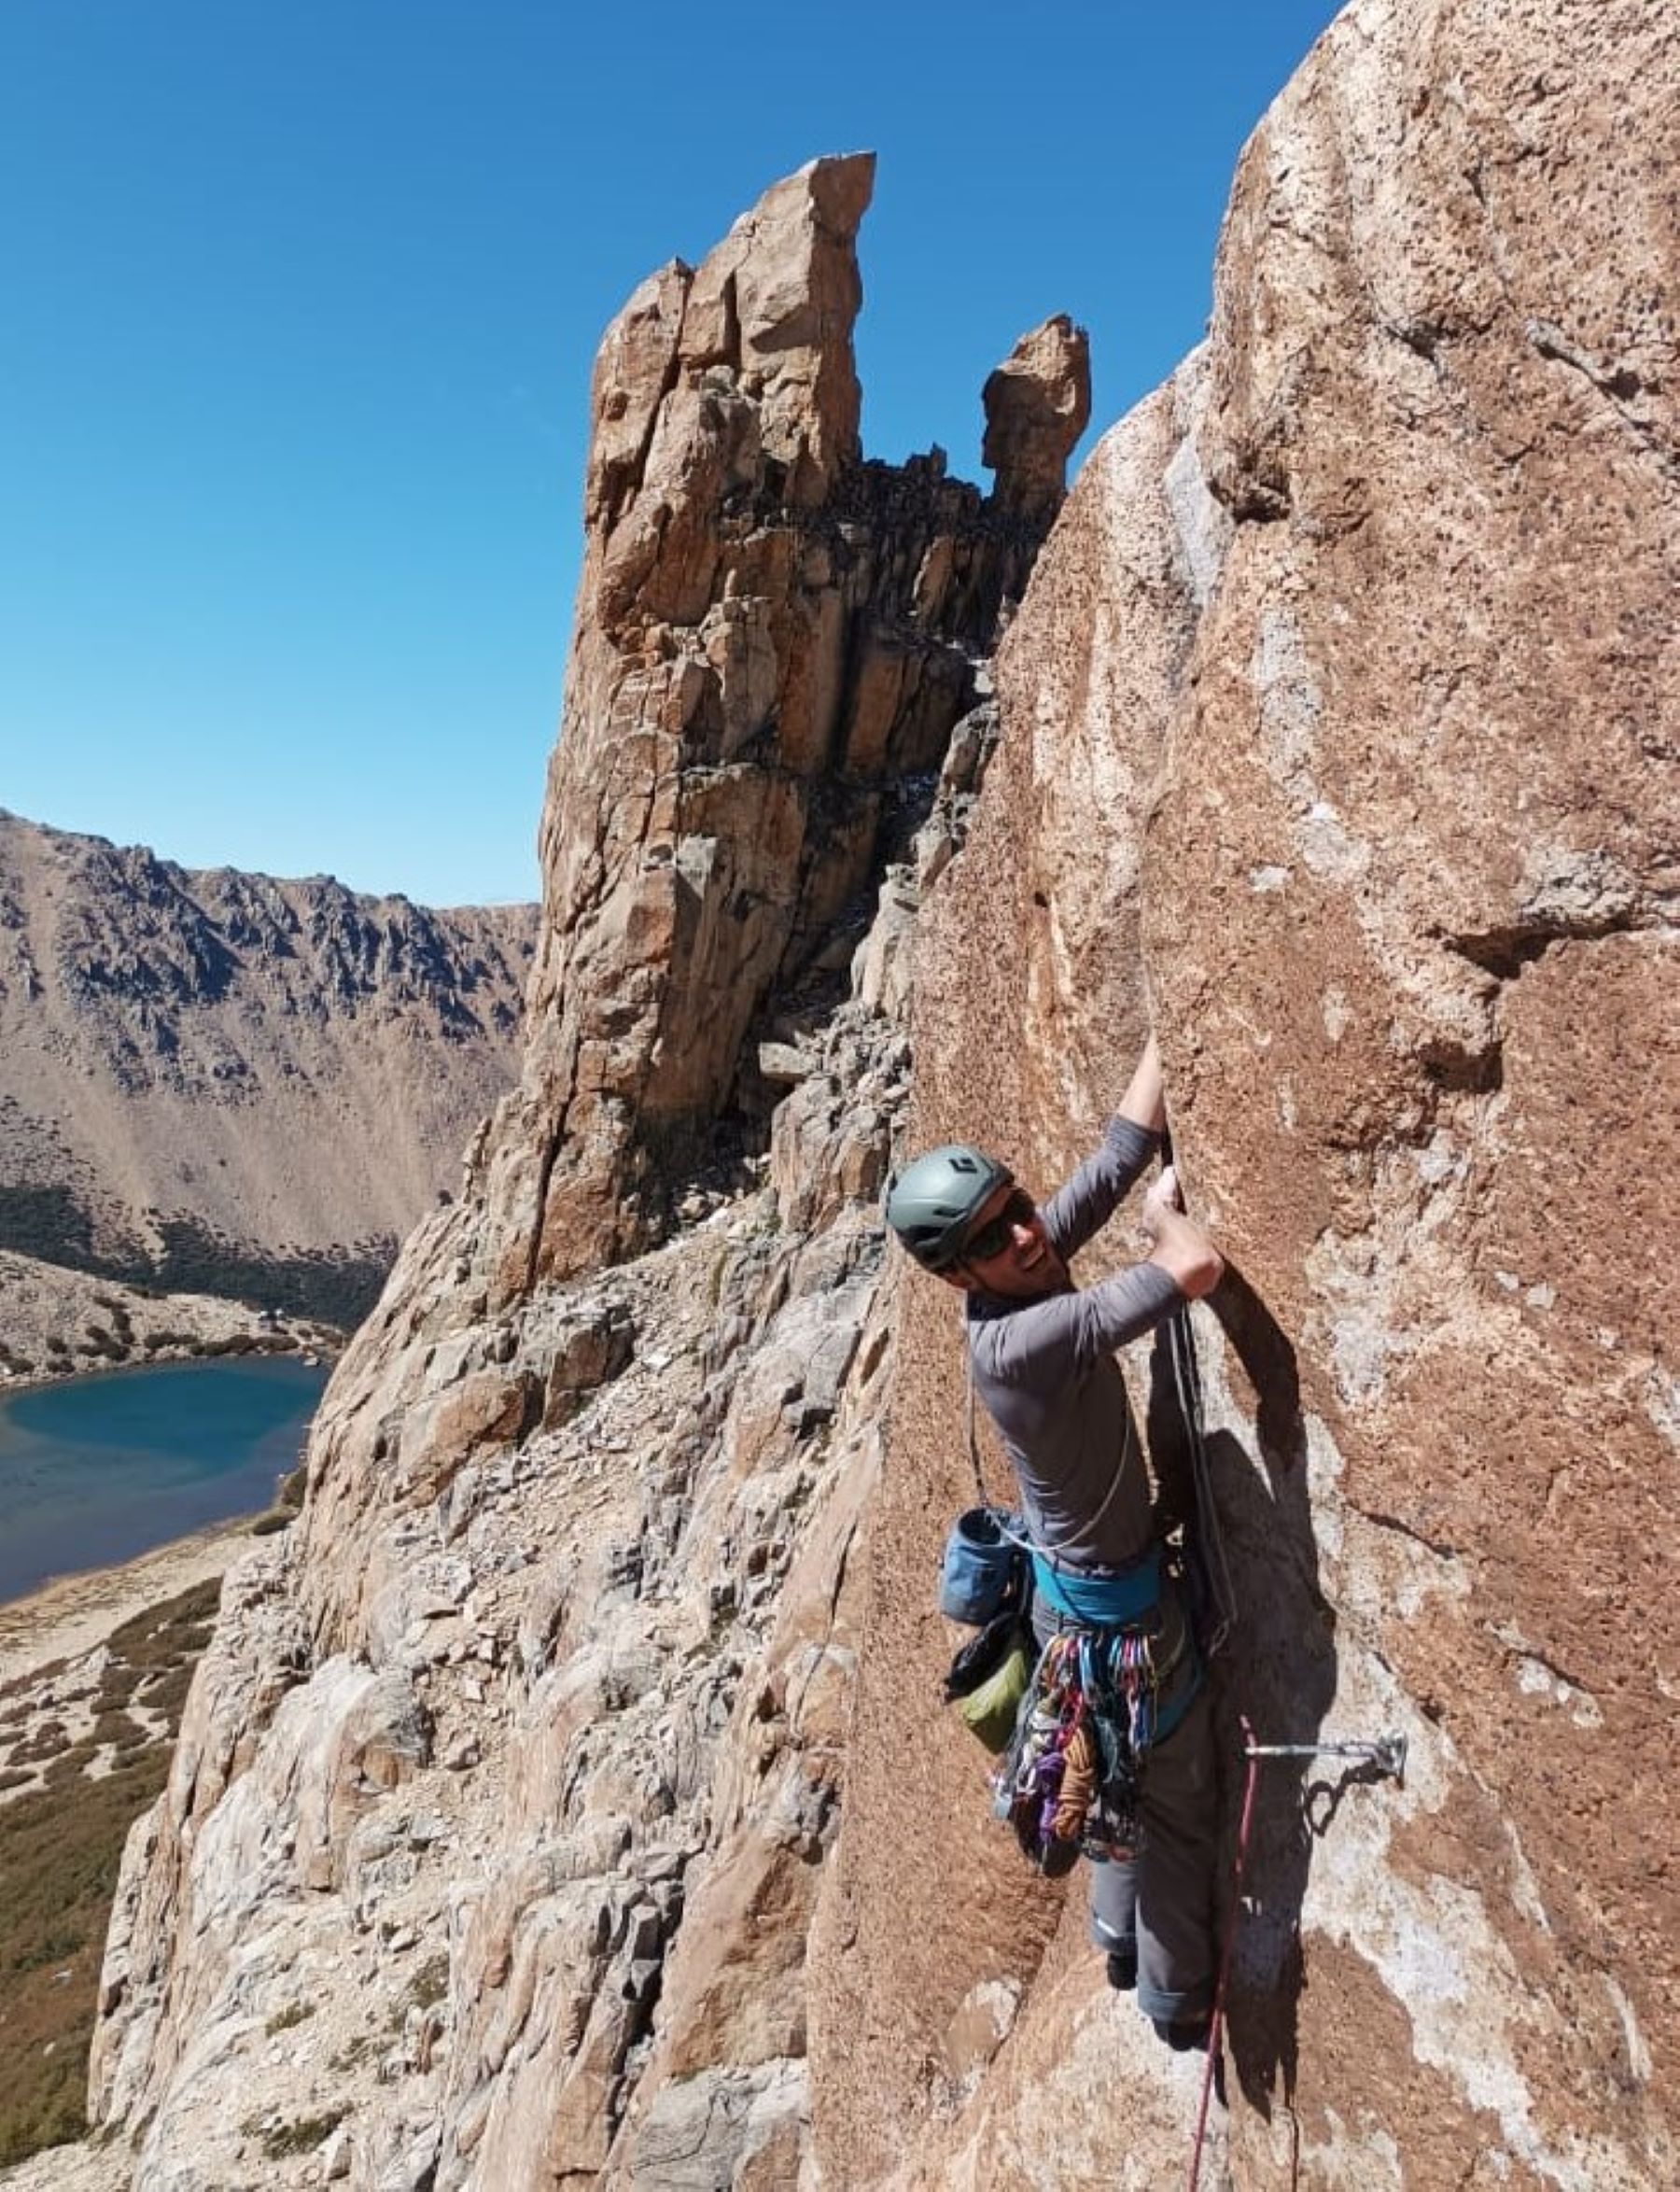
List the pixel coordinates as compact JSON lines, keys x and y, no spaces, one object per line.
{"x":97,"y":1469}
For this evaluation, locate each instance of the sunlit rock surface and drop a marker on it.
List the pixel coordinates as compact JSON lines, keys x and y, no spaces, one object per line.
{"x":567,"y":1801}
{"x":1343,"y":686}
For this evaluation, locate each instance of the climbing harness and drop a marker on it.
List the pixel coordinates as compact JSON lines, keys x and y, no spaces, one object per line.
{"x":1068,"y":1782}
{"x":1387,"y":1753}
{"x":1099,"y":1700}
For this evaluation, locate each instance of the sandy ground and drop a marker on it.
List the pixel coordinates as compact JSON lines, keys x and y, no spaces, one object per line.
{"x":74,"y":1614}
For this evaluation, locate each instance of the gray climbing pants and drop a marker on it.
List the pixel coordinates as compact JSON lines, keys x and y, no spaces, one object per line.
{"x":1163,"y":1898}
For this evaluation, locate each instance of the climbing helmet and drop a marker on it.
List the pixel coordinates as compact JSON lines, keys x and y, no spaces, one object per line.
{"x":931,"y":1203}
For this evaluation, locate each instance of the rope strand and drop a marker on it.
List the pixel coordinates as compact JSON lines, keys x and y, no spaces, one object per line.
{"x":1186,"y":1377}
{"x":1216,"y":2022}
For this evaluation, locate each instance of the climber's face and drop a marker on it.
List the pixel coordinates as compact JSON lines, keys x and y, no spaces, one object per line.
{"x":1006,"y":1250}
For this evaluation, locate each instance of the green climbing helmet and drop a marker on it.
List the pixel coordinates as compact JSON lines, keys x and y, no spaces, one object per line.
{"x":931,"y":1203}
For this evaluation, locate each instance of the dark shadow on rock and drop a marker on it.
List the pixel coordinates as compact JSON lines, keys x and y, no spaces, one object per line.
{"x":1277,"y":1669}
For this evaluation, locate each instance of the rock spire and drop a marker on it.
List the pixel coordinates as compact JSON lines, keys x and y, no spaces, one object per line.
{"x":1037,"y":403}
{"x":589,"y":1461}
{"x":771,"y":635}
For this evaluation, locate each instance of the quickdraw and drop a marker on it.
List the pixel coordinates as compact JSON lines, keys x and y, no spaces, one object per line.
{"x":1069,"y":1780}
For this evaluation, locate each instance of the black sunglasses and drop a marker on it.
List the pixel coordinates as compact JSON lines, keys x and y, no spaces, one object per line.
{"x":996,"y":1233}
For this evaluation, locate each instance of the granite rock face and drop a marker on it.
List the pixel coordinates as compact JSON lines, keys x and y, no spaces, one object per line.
{"x":1357,"y":636}
{"x":531,"y":1734}
{"x":1037,"y":405}
{"x":577,"y":1759}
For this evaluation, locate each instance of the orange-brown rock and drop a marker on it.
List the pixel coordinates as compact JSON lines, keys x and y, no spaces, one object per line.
{"x":1334,"y":738}
{"x":1354,"y":636}
{"x":770,"y":634}
{"x":557,"y":1658}
{"x":1036,"y":404}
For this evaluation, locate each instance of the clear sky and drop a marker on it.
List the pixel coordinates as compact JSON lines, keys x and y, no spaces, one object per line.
{"x":298,"y":305}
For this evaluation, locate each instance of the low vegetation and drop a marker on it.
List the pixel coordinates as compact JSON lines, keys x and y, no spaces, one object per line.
{"x":335,"y":1286}
{"x":60,"y":1847}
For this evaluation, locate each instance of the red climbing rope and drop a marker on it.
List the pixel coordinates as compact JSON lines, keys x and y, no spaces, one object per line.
{"x":1217,"y":2020}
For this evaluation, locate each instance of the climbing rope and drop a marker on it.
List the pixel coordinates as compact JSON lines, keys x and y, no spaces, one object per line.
{"x":1186,"y":1378}
{"x":1386,"y":1754}
{"x":1210,"y":1548}
{"x":1217,"y":2021}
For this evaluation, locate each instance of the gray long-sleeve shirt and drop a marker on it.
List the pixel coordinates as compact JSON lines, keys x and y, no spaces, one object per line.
{"x":1047,"y":1373}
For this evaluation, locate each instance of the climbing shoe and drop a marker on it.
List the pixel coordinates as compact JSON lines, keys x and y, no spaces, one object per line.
{"x":1186,"y":2035}
{"x":1123,"y":1967}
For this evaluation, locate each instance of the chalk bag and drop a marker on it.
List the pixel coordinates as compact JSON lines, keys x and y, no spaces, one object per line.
{"x":984,"y":1572}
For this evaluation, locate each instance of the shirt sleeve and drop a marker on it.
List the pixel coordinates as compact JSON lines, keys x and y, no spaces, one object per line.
{"x":1090,"y":1197}
{"x":1043,"y":1344}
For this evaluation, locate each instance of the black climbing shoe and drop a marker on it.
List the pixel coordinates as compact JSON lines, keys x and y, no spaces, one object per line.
{"x":1187,"y":2035}
{"x":1123,"y":1967}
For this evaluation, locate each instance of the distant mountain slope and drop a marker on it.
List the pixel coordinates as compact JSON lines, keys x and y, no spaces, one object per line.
{"x":225,"y":1082}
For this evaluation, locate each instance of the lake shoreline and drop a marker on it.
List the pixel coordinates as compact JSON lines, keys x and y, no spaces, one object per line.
{"x":98,"y":1471}
{"x":311,"y":1354}
{"x":74,"y":1614}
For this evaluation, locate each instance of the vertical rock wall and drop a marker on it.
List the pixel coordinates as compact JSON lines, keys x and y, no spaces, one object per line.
{"x":1405,"y":894}
{"x":1413,"y":892}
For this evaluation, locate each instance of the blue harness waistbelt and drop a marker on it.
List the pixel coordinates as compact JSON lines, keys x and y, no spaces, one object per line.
{"x":1100,"y":1602}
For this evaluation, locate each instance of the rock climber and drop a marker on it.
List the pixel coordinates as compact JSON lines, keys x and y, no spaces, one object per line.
{"x":1042,"y":1357}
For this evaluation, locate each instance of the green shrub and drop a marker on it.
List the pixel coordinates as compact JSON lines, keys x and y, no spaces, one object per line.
{"x":302,"y":2137}
{"x":157,"y":1636}
{"x":166,"y":1691}
{"x":48,"y":1740}
{"x":59,"y":1849}
{"x":59,"y":1856}
{"x":69,"y":1766}
{"x":118,"y":1728}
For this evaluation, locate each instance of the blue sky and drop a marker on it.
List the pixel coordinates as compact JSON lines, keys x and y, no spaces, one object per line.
{"x":300,"y":301}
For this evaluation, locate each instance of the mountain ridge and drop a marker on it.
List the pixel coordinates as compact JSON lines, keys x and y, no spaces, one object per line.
{"x":150,"y":1013}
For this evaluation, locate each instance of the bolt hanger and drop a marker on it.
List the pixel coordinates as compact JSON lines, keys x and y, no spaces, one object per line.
{"x":1387,"y":1753}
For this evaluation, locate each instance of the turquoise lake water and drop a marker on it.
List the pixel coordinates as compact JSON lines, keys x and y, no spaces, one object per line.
{"x":97,"y":1469}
